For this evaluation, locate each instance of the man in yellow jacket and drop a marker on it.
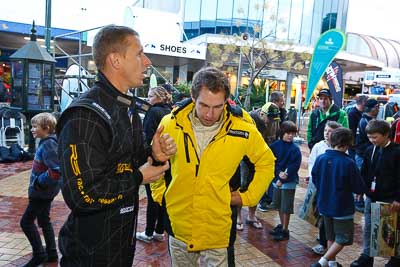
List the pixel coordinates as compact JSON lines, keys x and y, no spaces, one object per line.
{"x":212,"y":138}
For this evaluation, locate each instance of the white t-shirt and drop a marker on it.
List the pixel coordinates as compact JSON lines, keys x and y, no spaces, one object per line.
{"x":318,"y":149}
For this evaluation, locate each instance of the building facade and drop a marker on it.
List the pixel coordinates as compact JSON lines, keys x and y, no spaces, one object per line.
{"x":298,"y":21}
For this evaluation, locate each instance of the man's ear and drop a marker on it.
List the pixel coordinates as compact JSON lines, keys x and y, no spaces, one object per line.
{"x":114,"y":60}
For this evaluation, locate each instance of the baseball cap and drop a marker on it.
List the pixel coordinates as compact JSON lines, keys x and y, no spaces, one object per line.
{"x":325,"y":92}
{"x":271,"y":110}
{"x":370,"y":104}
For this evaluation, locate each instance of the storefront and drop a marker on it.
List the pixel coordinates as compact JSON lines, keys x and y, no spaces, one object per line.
{"x":5,"y":75}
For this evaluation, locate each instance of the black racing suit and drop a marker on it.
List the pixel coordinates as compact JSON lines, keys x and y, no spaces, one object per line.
{"x":101,"y":148}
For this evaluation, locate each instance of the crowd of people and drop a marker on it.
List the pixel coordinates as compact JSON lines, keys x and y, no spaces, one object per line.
{"x":100,"y":152}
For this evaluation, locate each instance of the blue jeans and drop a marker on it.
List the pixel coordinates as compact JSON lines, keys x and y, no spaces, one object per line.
{"x":267,"y":196}
{"x":359,"y":161}
{"x":367,"y":226}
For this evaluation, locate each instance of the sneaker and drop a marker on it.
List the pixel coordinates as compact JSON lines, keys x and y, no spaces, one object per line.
{"x":262,"y":207}
{"x":281,"y":235}
{"x":276,"y":230}
{"x":143,"y":237}
{"x":271,"y":206}
{"x":319,"y":249}
{"x":36,"y":260}
{"x":158,"y":237}
{"x":363,"y":261}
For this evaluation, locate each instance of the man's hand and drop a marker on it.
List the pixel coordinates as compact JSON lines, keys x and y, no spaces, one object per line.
{"x":236,"y":200}
{"x":152,"y":173}
{"x":163,"y":146}
{"x":283,"y":175}
{"x":395,"y":206}
{"x":278,"y":183}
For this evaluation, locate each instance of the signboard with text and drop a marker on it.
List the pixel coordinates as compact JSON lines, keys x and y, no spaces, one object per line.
{"x":175,"y":49}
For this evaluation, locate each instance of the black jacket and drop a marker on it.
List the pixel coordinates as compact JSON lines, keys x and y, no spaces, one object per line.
{"x":100,"y":151}
{"x":354,"y":116}
{"x":385,"y":166}
{"x":153,"y":118}
{"x":362,"y":142}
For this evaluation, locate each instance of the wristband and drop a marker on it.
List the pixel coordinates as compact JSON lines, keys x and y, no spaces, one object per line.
{"x":156,"y":162}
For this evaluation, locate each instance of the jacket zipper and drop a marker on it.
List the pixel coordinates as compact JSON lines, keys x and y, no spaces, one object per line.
{"x":186,"y":138}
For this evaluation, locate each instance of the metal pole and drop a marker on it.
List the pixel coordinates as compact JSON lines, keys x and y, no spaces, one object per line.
{"x":48,"y":25}
{"x":297,"y":83}
{"x":239,"y":73}
{"x":267,"y":91}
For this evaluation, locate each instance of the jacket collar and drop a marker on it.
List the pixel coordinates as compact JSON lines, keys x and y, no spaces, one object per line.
{"x":114,"y":92}
{"x":181,"y":115}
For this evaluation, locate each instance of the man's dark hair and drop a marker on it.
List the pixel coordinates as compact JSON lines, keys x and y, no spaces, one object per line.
{"x":287,"y":127}
{"x":110,"y":39}
{"x":361,"y":99}
{"x":378,"y":126}
{"x":341,"y":137}
{"x":275,"y":96}
{"x":212,"y":78}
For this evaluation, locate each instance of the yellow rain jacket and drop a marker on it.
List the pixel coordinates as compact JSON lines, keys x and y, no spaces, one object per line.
{"x":198,"y":197}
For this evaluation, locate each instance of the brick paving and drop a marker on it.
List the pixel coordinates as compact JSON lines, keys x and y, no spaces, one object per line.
{"x":253,"y":247}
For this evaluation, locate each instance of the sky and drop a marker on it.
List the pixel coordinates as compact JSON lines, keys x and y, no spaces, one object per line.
{"x":372,"y":17}
{"x":378,"y":18}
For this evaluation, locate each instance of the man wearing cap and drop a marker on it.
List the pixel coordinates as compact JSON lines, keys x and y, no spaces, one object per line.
{"x":270,"y":114}
{"x":277,"y":98}
{"x":362,"y":141}
{"x":327,"y":111}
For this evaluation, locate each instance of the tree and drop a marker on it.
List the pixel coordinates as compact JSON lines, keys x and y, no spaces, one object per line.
{"x":256,"y":52}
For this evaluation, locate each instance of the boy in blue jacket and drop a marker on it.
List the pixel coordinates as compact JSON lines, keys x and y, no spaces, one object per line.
{"x":287,"y":165}
{"x":336,"y":176}
{"x":44,"y":185}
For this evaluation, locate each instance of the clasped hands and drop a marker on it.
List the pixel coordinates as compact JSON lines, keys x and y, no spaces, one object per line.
{"x":163,"y":147}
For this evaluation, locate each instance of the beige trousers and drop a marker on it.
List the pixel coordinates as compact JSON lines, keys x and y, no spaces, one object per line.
{"x":180,"y":257}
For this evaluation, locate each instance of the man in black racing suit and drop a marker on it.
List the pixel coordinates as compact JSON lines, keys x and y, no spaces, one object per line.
{"x":103,"y":158}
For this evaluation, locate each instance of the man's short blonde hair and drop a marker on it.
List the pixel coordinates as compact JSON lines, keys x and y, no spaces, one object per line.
{"x":45,"y":120}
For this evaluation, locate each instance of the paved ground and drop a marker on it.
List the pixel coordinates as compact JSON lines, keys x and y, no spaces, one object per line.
{"x":252,"y":248}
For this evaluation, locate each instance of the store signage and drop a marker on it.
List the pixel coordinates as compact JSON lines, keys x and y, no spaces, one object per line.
{"x":177,"y":50}
{"x":381,"y":77}
{"x":328,"y":45}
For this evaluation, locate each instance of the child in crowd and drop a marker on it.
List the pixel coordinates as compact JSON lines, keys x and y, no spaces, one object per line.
{"x":287,"y":165}
{"x":335,"y":176}
{"x":319,"y":149}
{"x":44,"y":185}
{"x":381,"y":174}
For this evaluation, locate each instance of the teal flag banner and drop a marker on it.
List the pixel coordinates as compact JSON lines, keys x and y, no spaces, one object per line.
{"x":328,"y":45}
